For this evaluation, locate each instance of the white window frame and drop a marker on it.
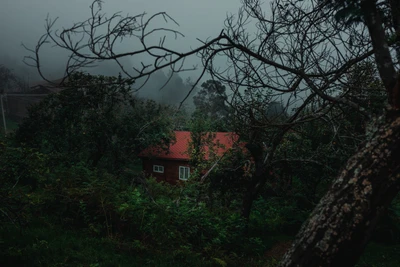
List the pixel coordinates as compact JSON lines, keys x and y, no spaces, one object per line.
{"x":182,"y":171}
{"x":158,"y":168}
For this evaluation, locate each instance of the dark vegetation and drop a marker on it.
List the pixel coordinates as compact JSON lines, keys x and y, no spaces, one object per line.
{"x":314,"y":95}
{"x":73,"y":195}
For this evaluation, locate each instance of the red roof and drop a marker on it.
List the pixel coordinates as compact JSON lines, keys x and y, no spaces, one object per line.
{"x":179,"y":150}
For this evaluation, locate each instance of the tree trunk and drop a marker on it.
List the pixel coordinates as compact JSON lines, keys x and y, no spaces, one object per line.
{"x":383,"y":57}
{"x":250,"y":196}
{"x":341,"y":225}
{"x":258,"y":180}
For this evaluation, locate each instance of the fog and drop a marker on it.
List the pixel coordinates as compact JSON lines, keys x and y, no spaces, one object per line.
{"x":22,"y":21}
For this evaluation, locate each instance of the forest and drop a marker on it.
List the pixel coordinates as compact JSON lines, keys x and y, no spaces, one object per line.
{"x":313,"y":95}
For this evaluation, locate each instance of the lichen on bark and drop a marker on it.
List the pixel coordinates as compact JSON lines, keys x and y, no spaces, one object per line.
{"x":340,"y":226}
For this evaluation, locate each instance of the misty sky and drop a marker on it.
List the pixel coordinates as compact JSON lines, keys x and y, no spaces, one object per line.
{"x":23,"y":21}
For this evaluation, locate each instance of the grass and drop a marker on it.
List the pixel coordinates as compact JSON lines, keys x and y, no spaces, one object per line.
{"x":42,"y":245}
{"x":47,"y":245}
{"x":56,"y":247}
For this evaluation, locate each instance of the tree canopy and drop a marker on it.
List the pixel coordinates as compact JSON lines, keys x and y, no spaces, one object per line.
{"x":305,"y":55}
{"x":96,"y":119}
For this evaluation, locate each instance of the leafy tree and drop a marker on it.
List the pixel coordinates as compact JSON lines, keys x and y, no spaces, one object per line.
{"x":9,"y":80}
{"x":201,"y":135}
{"x":211,"y":100}
{"x":365,"y":88}
{"x":95,"y":119}
{"x":275,"y":109}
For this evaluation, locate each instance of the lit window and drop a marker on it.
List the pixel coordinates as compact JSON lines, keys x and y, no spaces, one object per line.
{"x":158,"y":168}
{"x":184,"y":173}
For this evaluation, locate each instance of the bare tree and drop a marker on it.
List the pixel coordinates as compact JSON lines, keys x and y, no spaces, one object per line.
{"x":97,"y":39}
{"x":300,"y":54}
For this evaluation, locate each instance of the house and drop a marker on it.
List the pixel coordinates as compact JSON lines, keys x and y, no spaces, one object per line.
{"x":174,"y":165}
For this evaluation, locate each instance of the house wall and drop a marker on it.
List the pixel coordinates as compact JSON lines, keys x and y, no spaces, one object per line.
{"x":171,"y":169}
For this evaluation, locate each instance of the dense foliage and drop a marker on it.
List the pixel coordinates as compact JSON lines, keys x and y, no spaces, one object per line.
{"x":73,"y":193}
{"x":211,"y":103}
{"x":96,"y":120}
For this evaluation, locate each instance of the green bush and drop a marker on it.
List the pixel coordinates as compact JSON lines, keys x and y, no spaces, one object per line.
{"x":22,"y":170}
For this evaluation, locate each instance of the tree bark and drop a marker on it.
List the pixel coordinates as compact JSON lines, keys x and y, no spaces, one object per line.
{"x":341,"y":225}
{"x":252,"y":192}
{"x":383,"y":58}
{"x":257,"y":182}
{"x":395,"y":8}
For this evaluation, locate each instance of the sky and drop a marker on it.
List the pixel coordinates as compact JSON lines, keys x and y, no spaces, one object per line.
{"x":22,"y":21}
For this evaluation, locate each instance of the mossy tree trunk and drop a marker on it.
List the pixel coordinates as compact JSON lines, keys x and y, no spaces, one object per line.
{"x":341,"y":225}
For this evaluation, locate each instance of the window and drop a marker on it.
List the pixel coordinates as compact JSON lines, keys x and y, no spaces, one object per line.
{"x":158,"y":168}
{"x":184,"y":173}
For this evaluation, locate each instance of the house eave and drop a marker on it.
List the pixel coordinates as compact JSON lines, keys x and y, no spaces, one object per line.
{"x":162,"y":158}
